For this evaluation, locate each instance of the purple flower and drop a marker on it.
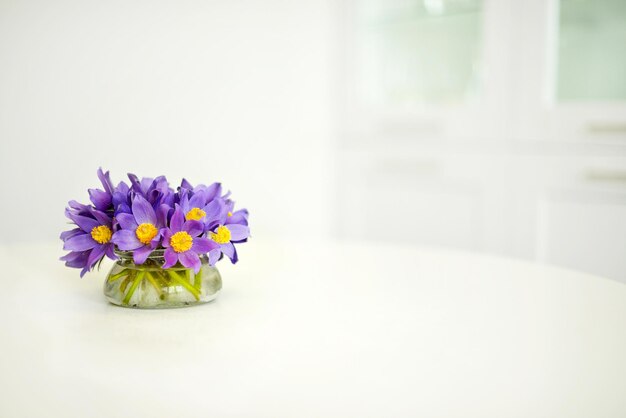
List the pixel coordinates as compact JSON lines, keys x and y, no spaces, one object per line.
{"x":200,"y":208}
{"x":237,"y":217}
{"x":77,"y":259}
{"x":139,"y":231}
{"x":148,"y":214}
{"x":183,"y":242}
{"x":102,"y":199}
{"x":232,"y":228}
{"x":230,"y":216}
{"x":156,"y":191}
{"x":121,"y":198}
{"x":91,"y":241}
{"x":210,"y":192}
{"x":112,"y":198}
{"x":76,"y":208}
{"x":225,"y":236}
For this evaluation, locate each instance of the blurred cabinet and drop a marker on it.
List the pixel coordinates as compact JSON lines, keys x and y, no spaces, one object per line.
{"x":494,"y":126}
{"x":410,"y":199}
{"x":590,"y":59}
{"x":571,"y":211}
{"x":575,"y":86}
{"x":419,"y":67}
{"x":412,"y":52}
{"x":592,"y":225}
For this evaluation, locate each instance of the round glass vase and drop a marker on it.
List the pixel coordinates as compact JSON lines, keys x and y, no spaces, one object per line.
{"x":149,"y":286}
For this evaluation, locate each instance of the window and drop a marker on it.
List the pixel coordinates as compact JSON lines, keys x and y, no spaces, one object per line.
{"x":591,"y":50}
{"x":414,"y":52}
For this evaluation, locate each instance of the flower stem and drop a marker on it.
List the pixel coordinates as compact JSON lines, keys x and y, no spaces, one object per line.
{"x":154,"y":283}
{"x":197,"y":280}
{"x":181,"y":280}
{"x":127,"y":280}
{"x":118,"y":275}
{"x":132,"y":289}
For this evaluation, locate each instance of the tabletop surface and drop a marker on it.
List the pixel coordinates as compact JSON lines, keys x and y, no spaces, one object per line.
{"x":320,"y":329}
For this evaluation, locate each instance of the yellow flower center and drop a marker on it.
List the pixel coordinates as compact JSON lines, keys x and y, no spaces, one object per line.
{"x":230,"y":214}
{"x":145,"y":233}
{"x":101,"y":234}
{"x":221,"y":236}
{"x":181,"y":241}
{"x":195,"y":214}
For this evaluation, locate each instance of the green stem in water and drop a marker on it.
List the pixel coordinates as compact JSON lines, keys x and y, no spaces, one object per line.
{"x":181,"y":280}
{"x":161,"y":279}
{"x":154,"y":283}
{"x":132,"y":289}
{"x":197,"y":280}
{"x":127,"y":280}
{"x":118,"y":275}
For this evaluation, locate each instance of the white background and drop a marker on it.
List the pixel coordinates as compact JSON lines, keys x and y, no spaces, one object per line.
{"x":253,"y":94}
{"x":230,"y":91}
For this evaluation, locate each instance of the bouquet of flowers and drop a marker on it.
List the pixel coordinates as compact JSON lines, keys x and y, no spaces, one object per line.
{"x":153,"y":231}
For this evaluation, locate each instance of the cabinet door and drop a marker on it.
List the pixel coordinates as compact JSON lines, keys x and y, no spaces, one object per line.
{"x":419,"y":68}
{"x":584,"y":231}
{"x":572,"y":70}
{"x":572,"y":212}
{"x":425,"y":198}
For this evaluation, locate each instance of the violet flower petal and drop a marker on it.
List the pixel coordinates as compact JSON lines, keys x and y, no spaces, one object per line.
{"x":203,"y":245}
{"x":146,"y":184}
{"x":80,"y":243}
{"x":171,"y":258}
{"x":100,"y":199}
{"x":134,"y":183}
{"x":184,"y":201}
{"x":65,"y":235}
{"x":235,"y":257}
{"x":166,"y":233}
{"x":213,"y":210}
{"x":110,"y":252}
{"x":127,"y":221}
{"x":100,"y":216}
{"x":239,"y":217}
{"x":213,"y":191}
{"x":126,"y":240}
{"x":177,"y":221}
{"x":194,"y":228}
{"x":156,"y":240}
{"x":105,"y":179}
{"x":74,"y":255}
{"x":190,"y":259}
{"x":143,"y":211}
{"x":169,"y":199}
{"x":238,"y":232}
{"x":141,"y":254}
{"x":229,"y":250}
{"x":123,"y":208}
{"x":76,"y":208}
{"x":198,"y":200}
{"x":214,"y":256}
{"x":96,"y":254}
{"x":79,"y":262}
{"x":162,"y":215}
{"x":85,"y":223}
{"x":186,"y":185}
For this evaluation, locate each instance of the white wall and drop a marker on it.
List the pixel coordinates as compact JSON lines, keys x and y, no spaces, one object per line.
{"x":235,"y":91}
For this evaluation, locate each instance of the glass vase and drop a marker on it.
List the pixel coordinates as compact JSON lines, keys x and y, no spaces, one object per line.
{"x":150,"y":286}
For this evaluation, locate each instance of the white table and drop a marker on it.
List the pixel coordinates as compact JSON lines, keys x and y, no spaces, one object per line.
{"x":318,"y":330}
